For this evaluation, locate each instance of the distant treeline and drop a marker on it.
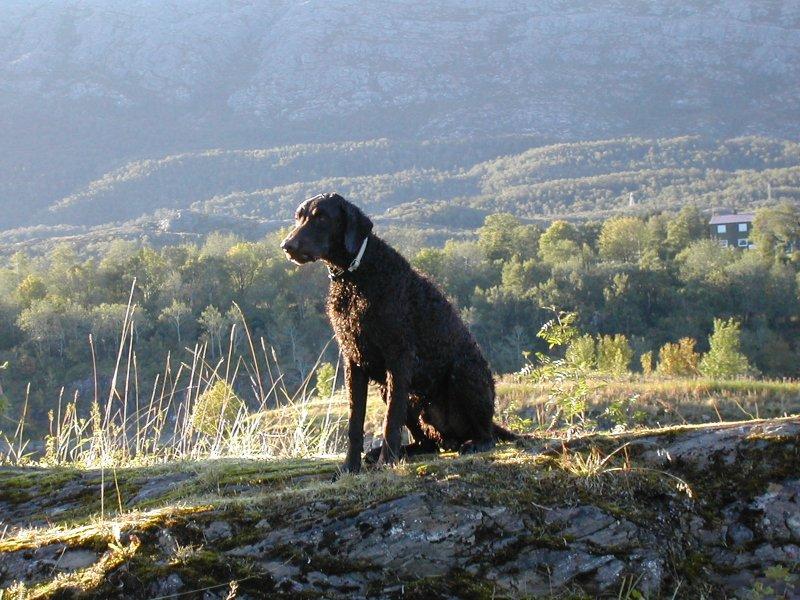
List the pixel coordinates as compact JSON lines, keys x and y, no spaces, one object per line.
{"x":655,"y":279}
{"x":515,"y":174}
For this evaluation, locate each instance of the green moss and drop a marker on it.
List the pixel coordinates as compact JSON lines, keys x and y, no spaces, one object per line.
{"x":457,"y":584}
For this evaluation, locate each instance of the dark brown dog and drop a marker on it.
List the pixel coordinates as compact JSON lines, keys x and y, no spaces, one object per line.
{"x":396,"y":328}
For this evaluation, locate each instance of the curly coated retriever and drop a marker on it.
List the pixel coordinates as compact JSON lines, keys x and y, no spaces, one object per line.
{"x":396,"y":328}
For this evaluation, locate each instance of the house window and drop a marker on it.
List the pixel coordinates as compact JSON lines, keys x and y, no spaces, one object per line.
{"x":721,"y":229}
{"x":742,"y":243}
{"x":743,"y":227}
{"x":723,"y":243}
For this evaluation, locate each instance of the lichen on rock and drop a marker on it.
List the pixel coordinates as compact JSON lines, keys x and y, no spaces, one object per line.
{"x":696,"y":511}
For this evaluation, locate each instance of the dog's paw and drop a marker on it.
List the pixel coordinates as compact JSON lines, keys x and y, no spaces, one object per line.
{"x":351,"y":467}
{"x":372,"y":457}
{"x":473,"y":446}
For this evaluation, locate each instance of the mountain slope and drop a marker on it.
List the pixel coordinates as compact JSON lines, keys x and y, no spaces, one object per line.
{"x":88,"y":86}
{"x":560,"y":179}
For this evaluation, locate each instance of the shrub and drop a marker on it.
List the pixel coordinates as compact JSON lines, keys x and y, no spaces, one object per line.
{"x":614,"y":354}
{"x":679,"y":359}
{"x":724,"y":359}
{"x":326,"y":373}
{"x":216,"y":409}
{"x":647,"y":363}
{"x":569,"y":391}
{"x":581,"y":353}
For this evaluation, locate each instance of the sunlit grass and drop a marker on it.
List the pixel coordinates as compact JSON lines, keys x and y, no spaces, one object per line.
{"x":253,"y":414}
{"x":128,"y":425}
{"x":662,"y":401}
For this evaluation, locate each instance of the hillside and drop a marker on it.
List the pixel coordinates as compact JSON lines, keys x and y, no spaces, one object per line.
{"x":688,"y":512}
{"x":90,"y":86}
{"x":438,"y":186}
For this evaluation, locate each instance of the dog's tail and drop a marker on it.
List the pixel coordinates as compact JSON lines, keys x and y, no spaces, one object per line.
{"x":503,"y":434}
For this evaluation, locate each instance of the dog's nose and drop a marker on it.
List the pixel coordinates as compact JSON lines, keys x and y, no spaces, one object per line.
{"x":289,"y":244}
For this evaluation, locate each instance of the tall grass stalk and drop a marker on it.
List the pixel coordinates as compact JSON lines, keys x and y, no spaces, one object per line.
{"x":126,"y":425}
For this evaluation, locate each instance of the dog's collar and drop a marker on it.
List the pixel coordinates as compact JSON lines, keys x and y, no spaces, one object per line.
{"x":335,"y":273}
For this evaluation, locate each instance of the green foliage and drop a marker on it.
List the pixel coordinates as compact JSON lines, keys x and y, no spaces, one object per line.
{"x":176,"y":313}
{"x":216,"y":409}
{"x":561,"y":330}
{"x":581,"y":353}
{"x":570,"y":390}
{"x":614,"y":354}
{"x":559,"y":243}
{"x":724,"y":360}
{"x":461,"y":179}
{"x":623,"y":239}
{"x":678,"y":360}
{"x":31,"y":288}
{"x":504,"y":236}
{"x":776,"y":230}
{"x":214,"y":324}
{"x":326,"y":374}
{"x":646,"y":360}
{"x":663,"y":283}
{"x":684,"y":228}
{"x":623,"y":412}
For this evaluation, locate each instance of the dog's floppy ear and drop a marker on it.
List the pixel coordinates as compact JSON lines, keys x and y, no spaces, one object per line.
{"x":304,"y":204}
{"x":357,"y":226}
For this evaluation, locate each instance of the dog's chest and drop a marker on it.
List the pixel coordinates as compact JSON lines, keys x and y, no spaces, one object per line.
{"x":349,"y":312}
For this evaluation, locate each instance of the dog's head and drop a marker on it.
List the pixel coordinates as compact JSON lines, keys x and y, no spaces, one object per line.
{"x":327,"y":227}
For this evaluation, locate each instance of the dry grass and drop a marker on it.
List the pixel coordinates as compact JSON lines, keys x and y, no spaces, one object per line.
{"x":128,"y":425}
{"x":134,"y":423}
{"x":659,"y":401}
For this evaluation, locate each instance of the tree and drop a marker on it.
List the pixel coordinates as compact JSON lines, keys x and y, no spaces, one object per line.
{"x":614,"y":354}
{"x":687,"y":227}
{"x":214,"y":324}
{"x":559,"y":243}
{"x":503,"y":236}
{"x":176,"y":313}
{"x":623,"y":239}
{"x":107,"y":322}
{"x":459,"y":268}
{"x":724,"y":359}
{"x":30,"y":289}
{"x":581,"y":353}
{"x":678,"y":360}
{"x":326,"y":373}
{"x":520,"y":277}
{"x":244,"y":264}
{"x":776,"y":230}
{"x":55,"y":321}
{"x":66,"y":276}
{"x":646,"y":361}
{"x":216,"y":410}
{"x":705,"y":261}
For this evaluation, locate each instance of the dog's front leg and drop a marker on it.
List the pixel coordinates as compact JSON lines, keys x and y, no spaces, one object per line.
{"x":398,"y":379}
{"x":356,"y":381}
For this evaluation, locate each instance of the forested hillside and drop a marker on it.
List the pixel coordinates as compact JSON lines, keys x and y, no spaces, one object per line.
{"x":655,"y":280}
{"x":433,"y":190}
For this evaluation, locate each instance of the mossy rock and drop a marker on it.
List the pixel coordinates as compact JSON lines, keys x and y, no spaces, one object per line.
{"x":646,"y":513}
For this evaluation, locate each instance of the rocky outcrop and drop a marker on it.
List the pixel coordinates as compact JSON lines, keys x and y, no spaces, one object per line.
{"x":710,"y":511}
